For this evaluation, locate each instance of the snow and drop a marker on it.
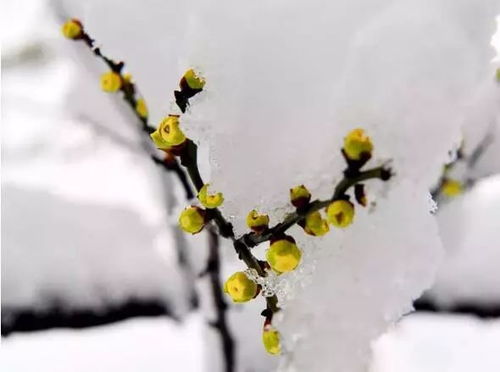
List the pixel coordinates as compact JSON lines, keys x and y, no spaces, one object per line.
{"x":140,"y":344}
{"x":430,"y":343}
{"x":469,"y":230}
{"x":425,"y":342}
{"x":285,"y":82}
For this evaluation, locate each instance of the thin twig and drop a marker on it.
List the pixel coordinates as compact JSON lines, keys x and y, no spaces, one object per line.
{"x":129,"y":95}
{"x":251,"y":239}
{"x":221,"y":323}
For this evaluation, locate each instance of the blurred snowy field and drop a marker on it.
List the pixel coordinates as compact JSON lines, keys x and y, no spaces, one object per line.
{"x":419,"y":343}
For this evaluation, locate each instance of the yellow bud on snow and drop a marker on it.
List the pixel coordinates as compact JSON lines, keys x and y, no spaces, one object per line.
{"x":141,"y":108}
{"x":111,"y":82}
{"x":240,"y":288}
{"x":451,"y":188}
{"x":300,"y":196}
{"x":340,"y":213}
{"x":210,"y":200}
{"x":271,"y":340}
{"x":193,"y":80}
{"x":192,"y":219}
{"x":257,"y":222}
{"x":72,"y":29}
{"x":316,"y":225}
{"x":283,"y":255}
{"x":357,"y":143}
{"x":168,"y":133}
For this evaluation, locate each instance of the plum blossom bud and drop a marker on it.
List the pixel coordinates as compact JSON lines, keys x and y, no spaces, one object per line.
{"x":210,"y":201}
{"x":340,"y":213}
{"x":72,"y":29}
{"x":111,"y":82}
{"x":300,"y":196}
{"x":168,"y":133}
{"x":192,"y":219}
{"x":283,"y":255}
{"x":315,"y":225}
{"x":192,"y":80}
{"x":257,"y":222}
{"x":357,"y":145}
{"x":240,"y":288}
{"x":271,"y":340}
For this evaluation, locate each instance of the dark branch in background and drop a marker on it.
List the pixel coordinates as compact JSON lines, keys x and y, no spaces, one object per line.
{"x":18,"y":319}
{"x":220,"y":323}
{"x":481,"y":311}
{"x":181,"y":175}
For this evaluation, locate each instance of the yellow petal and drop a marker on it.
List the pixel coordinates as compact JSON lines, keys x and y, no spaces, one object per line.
{"x":193,"y":80}
{"x":210,"y":200}
{"x":256,"y":220}
{"x":170,"y":132}
{"x":159,"y":141}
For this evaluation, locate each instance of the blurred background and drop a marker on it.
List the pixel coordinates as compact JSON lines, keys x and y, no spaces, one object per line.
{"x":93,"y":272}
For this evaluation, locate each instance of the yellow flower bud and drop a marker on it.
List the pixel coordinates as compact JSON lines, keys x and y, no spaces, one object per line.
{"x":240,"y":288}
{"x":357,"y":143}
{"x":192,"y":219}
{"x":283,"y":255}
{"x":340,"y":213}
{"x":72,"y":29}
{"x":498,"y":75}
{"x":193,"y":80}
{"x":257,"y":222}
{"x":111,"y":82}
{"x":271,"y":340}
{"x":300,"y":196}
{"x":316,"y":225}
{"x":451,"y":188}
{"x":168,"y":133}
{"x":141,"y":108}
{"x":210,"y":200}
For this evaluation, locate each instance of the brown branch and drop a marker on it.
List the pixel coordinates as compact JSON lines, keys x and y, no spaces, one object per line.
{"x":129,"y":91}
{"x":221,"y":323}
{"x":251,"y":239}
